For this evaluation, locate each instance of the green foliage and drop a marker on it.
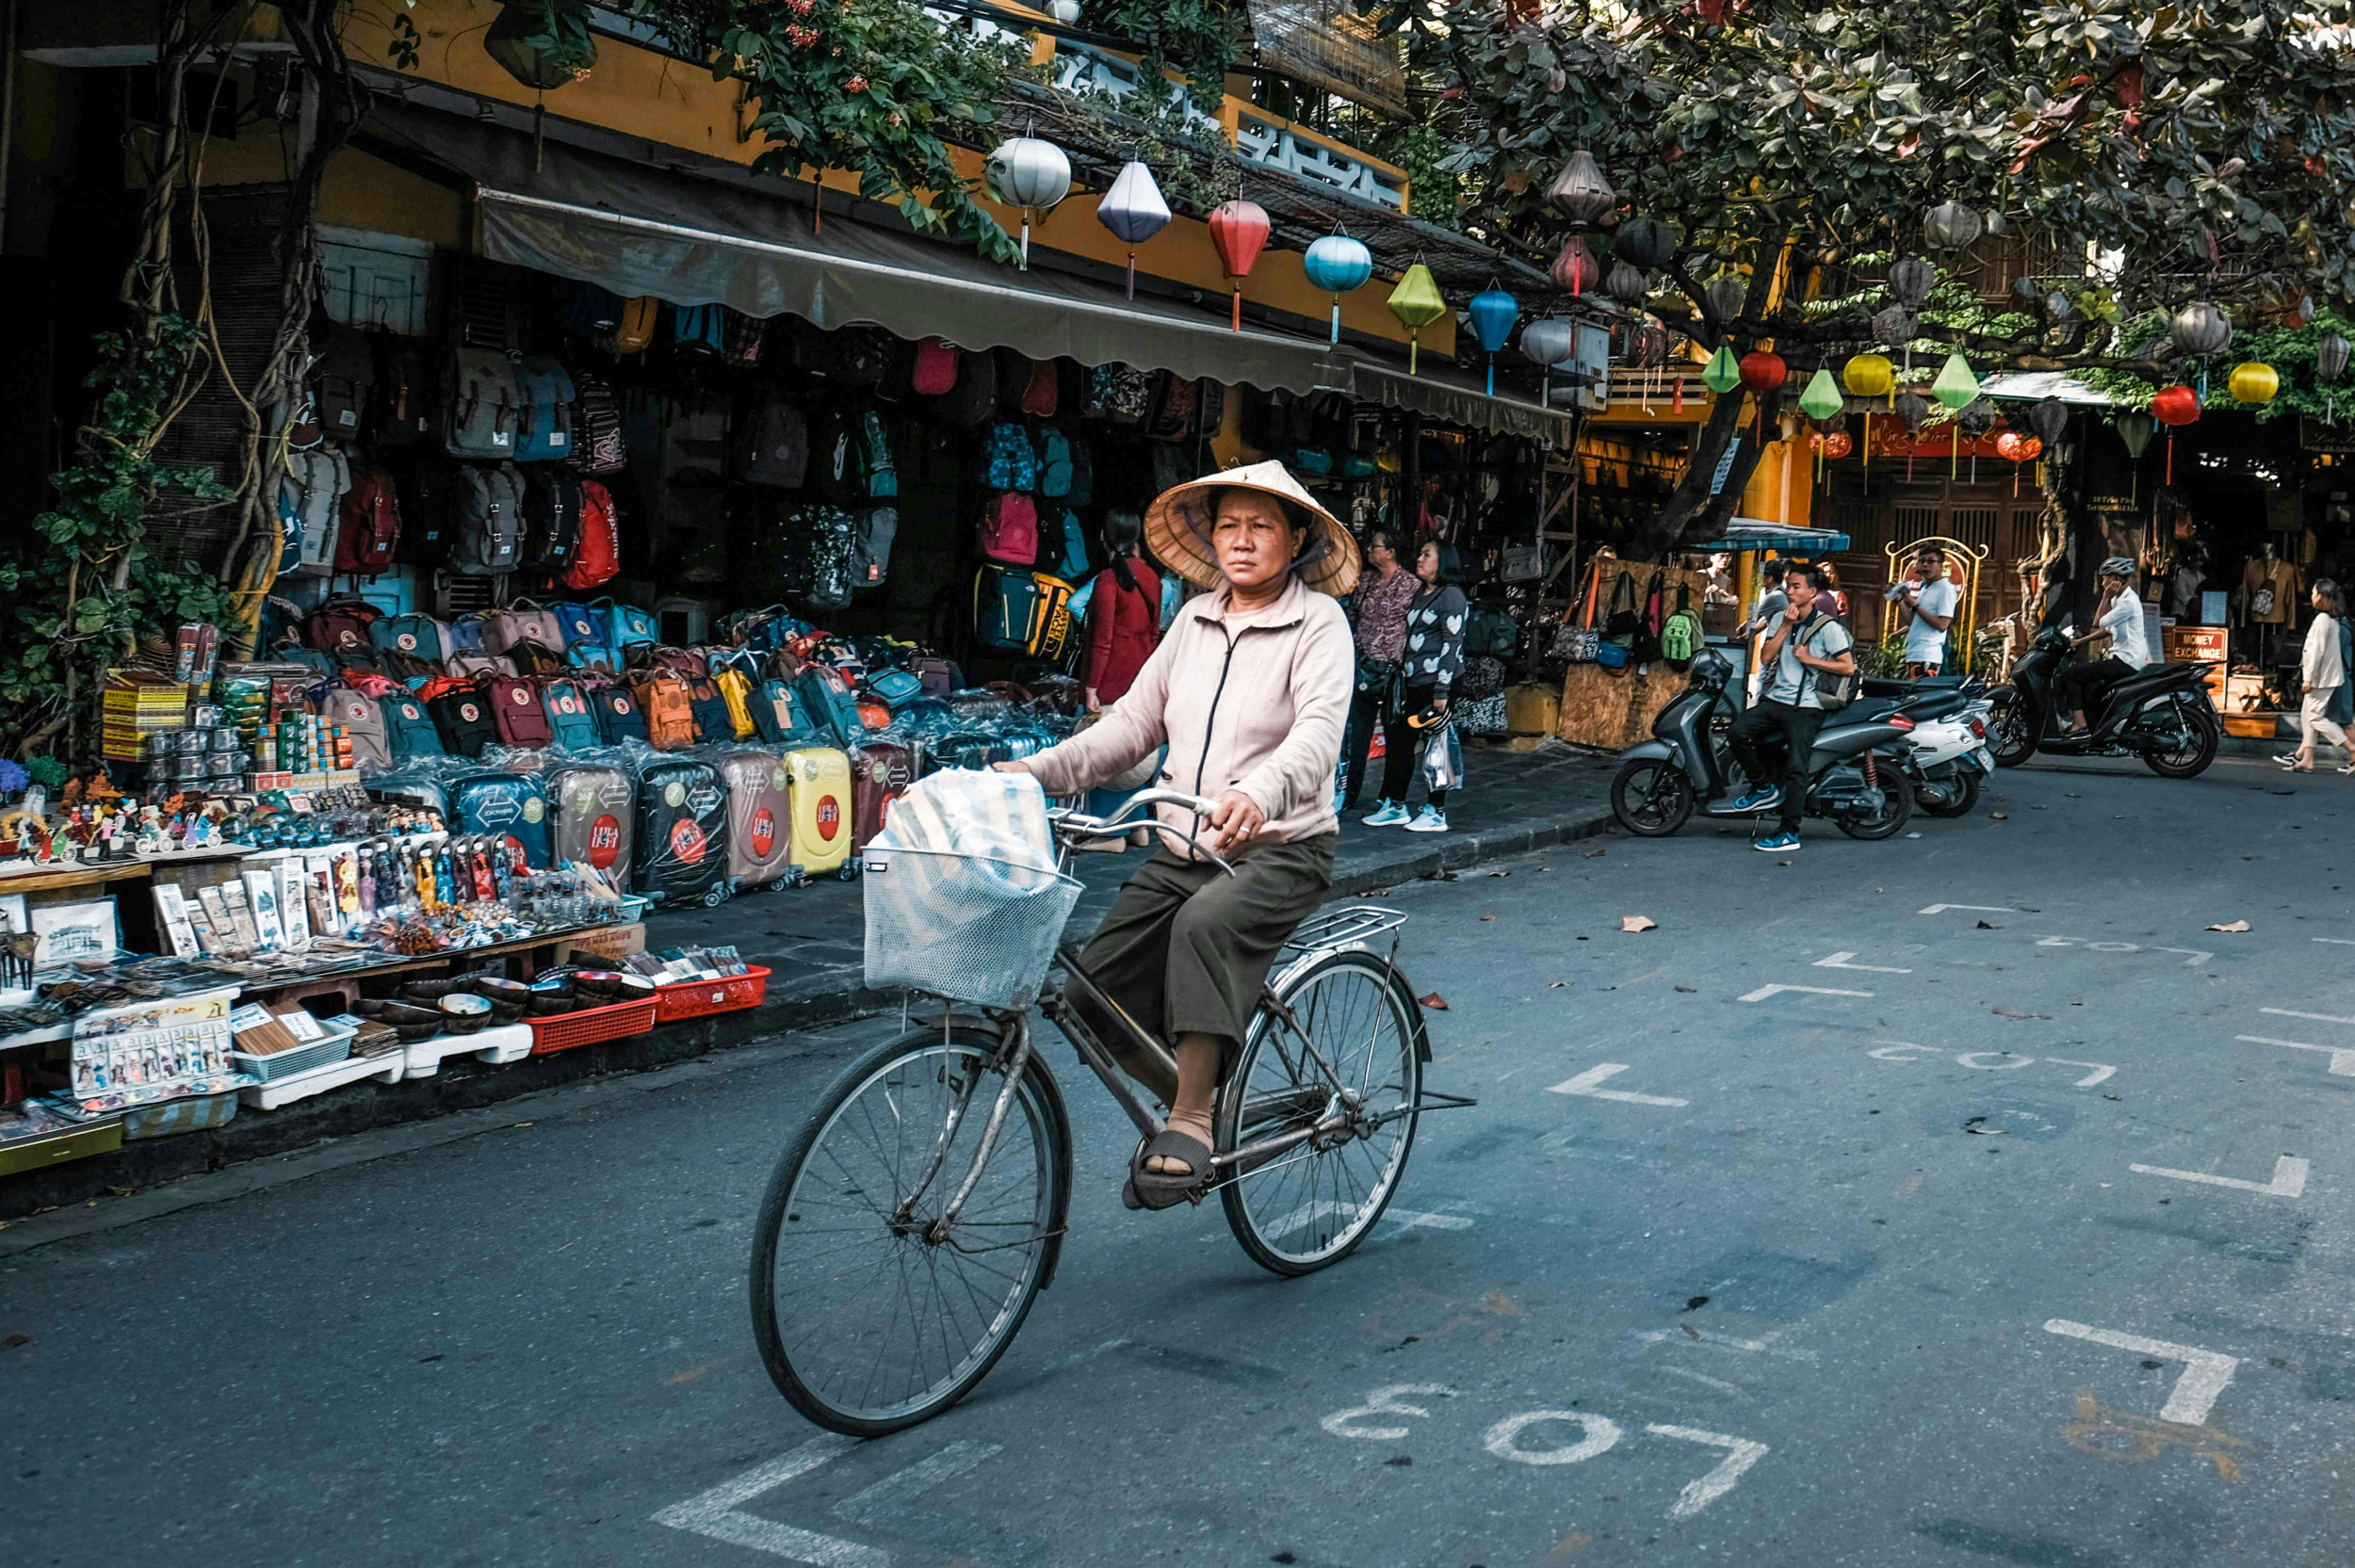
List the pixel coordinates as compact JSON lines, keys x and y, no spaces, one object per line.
{"x":59,"y":596}
{"x":1197,"y":38}
{"x":1433,"y":190}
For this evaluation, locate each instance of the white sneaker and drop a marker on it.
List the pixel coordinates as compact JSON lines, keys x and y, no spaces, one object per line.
{"x":1428,"y":820}
{"x":1386,"y":814}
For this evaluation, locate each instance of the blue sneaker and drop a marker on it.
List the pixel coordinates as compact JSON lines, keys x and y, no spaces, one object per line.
{"x":1431,"y":819}
{"x":1761,"y":799}
{"x":1386,"y":814}
{"x":1777,"y":844}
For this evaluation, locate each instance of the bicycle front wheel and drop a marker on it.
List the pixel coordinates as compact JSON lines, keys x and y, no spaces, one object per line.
{"x":1308,"y":1206}
{"x":867,"y":1323}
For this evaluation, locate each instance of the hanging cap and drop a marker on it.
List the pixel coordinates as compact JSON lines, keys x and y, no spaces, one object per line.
{"x":1177,"y":529}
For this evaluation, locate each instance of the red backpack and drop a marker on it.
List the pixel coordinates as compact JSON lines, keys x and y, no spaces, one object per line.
{"x":371,"y":523}
{"x":936,"y":369}
{"x":516,"y":711}
{"x":1010,"y":529}
{"x":598,"y":560}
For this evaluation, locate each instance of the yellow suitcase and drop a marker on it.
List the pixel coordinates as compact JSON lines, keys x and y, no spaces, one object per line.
{"x":821,"y":784}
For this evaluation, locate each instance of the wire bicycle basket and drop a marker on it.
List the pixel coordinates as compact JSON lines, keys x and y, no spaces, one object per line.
{"x":970,"y":928}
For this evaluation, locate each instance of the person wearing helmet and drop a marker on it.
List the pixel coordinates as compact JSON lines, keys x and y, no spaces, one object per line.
{"x":2118,"y":617}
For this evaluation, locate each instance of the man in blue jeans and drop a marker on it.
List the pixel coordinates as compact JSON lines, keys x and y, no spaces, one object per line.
{"x":1798,"y":645}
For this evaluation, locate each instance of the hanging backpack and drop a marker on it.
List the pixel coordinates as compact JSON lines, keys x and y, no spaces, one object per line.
{"x":1010,"y":529}
{"x":1054,"y":464}
{"x":1170,"y":416}
{"x":487,"y":535}
{"x":1082,"y":487}
{"x":1008,"y":460}
{"x":516,"y":712}
{"x":973,"y":401}
{"x":742,"y":338}
{"x":551,"y":522}
{"x":775,"y":449}
{"x":1072,"y":561}
{"x":1644,"y":647}
{"x":617,"y":713}
{"x":369,"y":527}
{"x":1681,"y":635}
{"x":1118,"y":393}
{"x":883,"y":480}
{"x":1622,"y":621}
{"x":428,"y":483}
{"x":699,"y":329}
{"x":592,"y":311}
{"x":870,"y":558}
{"x":599,"y":445}
{"x":1040,"y":394}
{"x":409,"y":645}
{"x":342,"y":379}
{"x":398,"y":399}
{"x":311,"y":496}
{"x":409,"y":731}
{"x":544,"y":430}
{"x":598,"y":559}
{"x":934,"y":372}
{"x":481,"y":404}
{"x":570,"y":724}
{"x":634,"y":332}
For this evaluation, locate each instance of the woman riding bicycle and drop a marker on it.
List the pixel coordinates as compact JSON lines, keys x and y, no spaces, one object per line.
{"x":1250,"y":690}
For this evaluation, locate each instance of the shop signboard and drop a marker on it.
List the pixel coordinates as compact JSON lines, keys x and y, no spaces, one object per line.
{"x":2197,"y":645}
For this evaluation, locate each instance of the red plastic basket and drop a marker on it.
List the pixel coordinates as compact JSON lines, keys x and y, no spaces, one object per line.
{"x":591,"y":1026}
{"x":701,"y":998}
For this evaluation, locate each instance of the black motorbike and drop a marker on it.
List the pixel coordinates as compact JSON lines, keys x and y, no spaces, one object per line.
{"x":1856,"y":774}
{"x":2160,"y":714}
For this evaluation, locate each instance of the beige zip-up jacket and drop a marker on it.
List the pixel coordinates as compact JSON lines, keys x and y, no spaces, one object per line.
{"x":1257,"y":702}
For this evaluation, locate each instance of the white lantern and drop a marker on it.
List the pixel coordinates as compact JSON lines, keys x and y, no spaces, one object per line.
{"x":1029,"y":173}
{"x":1134,"y":211}
{"x":1551,"y":344}
{"x":1065,"y":11}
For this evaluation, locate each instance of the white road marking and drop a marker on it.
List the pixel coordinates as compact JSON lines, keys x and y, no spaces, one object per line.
{"x":1840,"y":960}
{"x":1765,"y":990}
{"x":2342,"y":1056}
{"x":1599,"y":1434}
{"x":1382,"y":1402}
{"x":1585,"y":1083}
{"x":2205,"y":1372}
{"x":1719,"y":1341}
{"x":1406,"y":1219}
{"x":2289,"y":1178}
{"x":2336,"y":941}
{"x":1984,"y":909}
{"x":2193,"y":955}
{"x":717,"y":1512}
{"x":1968,"y":1059}
{"x":1698,"y":1495}
{"x":2100,"y":1072}
{"x":1882,"y":1051}
{"x":2317,"y":1017}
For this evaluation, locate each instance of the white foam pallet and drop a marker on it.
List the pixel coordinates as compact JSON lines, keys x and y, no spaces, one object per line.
{"x":497,"y":1045}
{"x":318,"y":1080}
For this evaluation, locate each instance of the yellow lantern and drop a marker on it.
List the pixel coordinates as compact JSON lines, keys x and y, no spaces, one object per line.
{"x":1870,"y":375}
{"x":1417,"y":303}
{"x":2253,"y":382}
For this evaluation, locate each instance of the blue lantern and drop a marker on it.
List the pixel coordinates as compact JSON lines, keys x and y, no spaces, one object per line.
{"x":1338,"y":264}
{"x":1493,"y":313}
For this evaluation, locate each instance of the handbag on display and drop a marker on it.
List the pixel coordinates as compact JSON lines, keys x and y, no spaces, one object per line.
{"x":1481,"y":715}
{"x":1576,"y":644}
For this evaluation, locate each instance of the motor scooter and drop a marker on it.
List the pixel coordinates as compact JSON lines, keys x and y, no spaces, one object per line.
{"x":1857,"y":772}
{"x":2161,"y":714}
{"x":1948,"y":751}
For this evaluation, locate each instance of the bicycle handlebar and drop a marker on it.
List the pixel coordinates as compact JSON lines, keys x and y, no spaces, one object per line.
{"x":1074,"y":825}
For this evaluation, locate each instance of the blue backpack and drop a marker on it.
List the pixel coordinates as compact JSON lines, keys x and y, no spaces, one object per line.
{"x":626,"y":626}
{"x":571,"y":723}
{"x":507,"y":803}
{"x":578,"y":623}
{"x":1005,"y":608}
{"x":1009,"y":459}
{"x":1054,"y":464}
{"x":1075,"y":549}
{"x":409,"y":732}
{"x":827,"y":702}
{"x":1083,"y":472}
{"x":883,"y":480}
{"x":699,"y":328}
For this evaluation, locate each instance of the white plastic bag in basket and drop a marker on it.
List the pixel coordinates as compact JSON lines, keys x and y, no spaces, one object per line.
{"x":960,"y":811}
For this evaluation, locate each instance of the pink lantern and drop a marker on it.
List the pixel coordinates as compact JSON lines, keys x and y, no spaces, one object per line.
{"x":1239,"y":229}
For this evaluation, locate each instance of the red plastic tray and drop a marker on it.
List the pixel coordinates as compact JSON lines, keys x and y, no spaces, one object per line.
{"x":701,"y":998}
{"x":591,"y":1026}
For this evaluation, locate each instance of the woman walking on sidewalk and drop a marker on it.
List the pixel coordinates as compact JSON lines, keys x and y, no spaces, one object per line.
{"x":1379,"y":609}
{"x":1434,"y":657}
{"x":2323,"y":667}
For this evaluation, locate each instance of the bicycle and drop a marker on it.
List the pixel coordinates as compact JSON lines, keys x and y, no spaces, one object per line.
{"x":904,"y":1236}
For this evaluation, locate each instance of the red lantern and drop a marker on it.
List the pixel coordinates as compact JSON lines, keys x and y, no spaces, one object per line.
{"x":2175,"y":405}
{"x":1575,"y":270}
{"x":2019,"y":446}
{"x":1238,"y":229}
{"x":1762,"y":372}
{"x":1839,"y":445}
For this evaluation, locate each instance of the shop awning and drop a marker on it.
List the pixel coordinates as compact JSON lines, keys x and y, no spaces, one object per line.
{"x":1751,"y":533}
{"x":667,"y":232}
{"x":2037,"y":385}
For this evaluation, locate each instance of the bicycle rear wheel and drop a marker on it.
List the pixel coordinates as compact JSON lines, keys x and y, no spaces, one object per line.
{"x":865,"y":1324}
{"x":1309,"y":1206}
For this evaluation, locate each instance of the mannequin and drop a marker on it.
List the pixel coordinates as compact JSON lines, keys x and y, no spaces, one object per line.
{"x":2270,"y":588}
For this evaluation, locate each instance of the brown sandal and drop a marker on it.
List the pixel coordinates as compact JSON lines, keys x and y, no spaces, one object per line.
{"x":1164,"y":1189}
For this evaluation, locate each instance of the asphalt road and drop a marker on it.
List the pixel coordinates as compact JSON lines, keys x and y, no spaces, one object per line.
{"x":1807,"y":1228}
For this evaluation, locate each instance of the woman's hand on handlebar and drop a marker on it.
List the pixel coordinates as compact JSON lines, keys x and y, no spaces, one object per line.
{"x":1235,"y":816}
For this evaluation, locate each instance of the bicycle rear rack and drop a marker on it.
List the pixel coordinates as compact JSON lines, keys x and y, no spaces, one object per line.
{"x":1354,"y":927}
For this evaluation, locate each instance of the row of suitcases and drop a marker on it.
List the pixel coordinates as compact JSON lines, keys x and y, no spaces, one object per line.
{"x":702,"y":825}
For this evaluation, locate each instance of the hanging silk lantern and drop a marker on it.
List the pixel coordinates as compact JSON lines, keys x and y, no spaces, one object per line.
{"x":2253,"y":382}
{"x":2047,"y":418}
{"x":1951,"y":225}
{"x":1910,"y":279}
{"x":1912,"y":410}
{"x":1574,"y":270}
{"x":2022,"y":448}
{"x":1028,"y":173}
{"x":1726,"y":293}
{"x":1762,"y":371}
{"x":1134,"y":211}
{"x":1626,"y":283}
{"x":1417,"y":303}
{"x":1643,"y":243}
{"x":1838,"y":445}
{"x":2330,"y":364}
{"x":1722,"y":374}
{"x":1955,"y":386}
{"x":2173,"y":406}
{"x":1338,"y":264}
{"x":1550,"y":344}
{"x":1238,"y":229}
{"x":1821,"y":400}
{"x":1974,"y":419}
{"x":1647,"y":345}
{"x":2135,"y":428}
{"x":1493,"y":313}
{"x":1870,"y":375}
{"x":2199,"y":328}
{"x":1579,"y":193}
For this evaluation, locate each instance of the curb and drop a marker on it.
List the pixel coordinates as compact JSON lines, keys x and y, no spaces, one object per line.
{"x":467,"y":1085}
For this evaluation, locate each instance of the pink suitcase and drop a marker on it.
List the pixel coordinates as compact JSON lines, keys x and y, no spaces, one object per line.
{"x":761,"y":822}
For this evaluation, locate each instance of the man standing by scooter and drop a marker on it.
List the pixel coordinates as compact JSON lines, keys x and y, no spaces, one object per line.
{"x":1803,"y":644}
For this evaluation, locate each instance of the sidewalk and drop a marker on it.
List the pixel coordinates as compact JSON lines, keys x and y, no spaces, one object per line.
{"x":812,"y":941}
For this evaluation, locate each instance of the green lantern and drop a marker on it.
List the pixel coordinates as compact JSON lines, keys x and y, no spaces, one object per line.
{"x":1822,"y":399}
{"x":1723,"y":373}
{"x":1417,"y":303}
{"x":1956,"y":386}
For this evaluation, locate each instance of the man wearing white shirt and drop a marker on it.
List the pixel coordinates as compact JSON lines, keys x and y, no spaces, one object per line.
{"x":1926,"y":602}
{"x":2119,"y":618}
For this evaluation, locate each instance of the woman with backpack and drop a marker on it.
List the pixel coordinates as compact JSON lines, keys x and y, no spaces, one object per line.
{"x":1124,"y":615}
{"x":1417,"y":713}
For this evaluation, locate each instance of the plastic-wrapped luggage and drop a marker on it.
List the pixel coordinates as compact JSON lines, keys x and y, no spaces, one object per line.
{"x":881,"y":771}
{"x":681,"y":848}
{"x":822,"y":815}
{"x":509,"y":804}
{"x":761,"y":811}
{"x":593,"y":813}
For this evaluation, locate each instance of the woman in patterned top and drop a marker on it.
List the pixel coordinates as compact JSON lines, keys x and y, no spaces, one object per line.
{"x":1379,"y":611}
{"x":1432,"y":659}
